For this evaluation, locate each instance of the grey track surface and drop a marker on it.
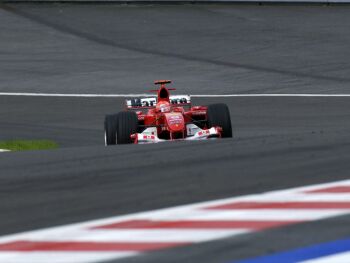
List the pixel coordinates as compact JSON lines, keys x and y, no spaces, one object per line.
{"x":205,"y":48}
{"x":279,"y":142}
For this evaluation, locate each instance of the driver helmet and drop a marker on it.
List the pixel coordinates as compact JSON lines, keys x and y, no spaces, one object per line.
{"x":164,"y":106}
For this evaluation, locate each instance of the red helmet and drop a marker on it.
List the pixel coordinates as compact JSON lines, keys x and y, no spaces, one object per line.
{"x":163,"y":106}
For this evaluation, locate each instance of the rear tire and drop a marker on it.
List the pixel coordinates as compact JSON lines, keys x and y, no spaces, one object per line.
{"x":111,"y":129}
{"x":127,"y":124}
{"x":219,"y":115}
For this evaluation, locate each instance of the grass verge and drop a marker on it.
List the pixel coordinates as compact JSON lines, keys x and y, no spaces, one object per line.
{"x":24,"y":145}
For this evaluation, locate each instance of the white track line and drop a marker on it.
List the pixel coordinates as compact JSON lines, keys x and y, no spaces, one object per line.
{"x":337,"y":258}
{"x":139,"y":235}
{"x":3,"y":150}
{"x":62,"y":257}
{"x":148,"y":94}
{"x":268,"y":95}
{"x":73,"y":95}
{"x":249,"y":214}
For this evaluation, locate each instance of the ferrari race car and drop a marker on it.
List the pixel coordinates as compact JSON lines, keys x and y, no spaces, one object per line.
{"x":166,"y":118}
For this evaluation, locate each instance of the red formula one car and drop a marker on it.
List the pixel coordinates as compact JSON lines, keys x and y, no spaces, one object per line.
{"x":166,"y":118}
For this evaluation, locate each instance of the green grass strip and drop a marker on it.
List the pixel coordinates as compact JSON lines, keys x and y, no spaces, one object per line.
{"x":24,"y":145}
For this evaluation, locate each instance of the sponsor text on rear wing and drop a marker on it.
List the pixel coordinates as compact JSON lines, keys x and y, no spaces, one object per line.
{"x":150,"y":102}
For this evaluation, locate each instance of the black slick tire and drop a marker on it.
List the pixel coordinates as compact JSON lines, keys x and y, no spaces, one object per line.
{"x":219,"y":115}
{"x":127,"y":124}
{"x":111,"y":129}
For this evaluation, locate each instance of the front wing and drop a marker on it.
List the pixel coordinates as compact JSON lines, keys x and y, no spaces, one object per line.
{"x":149,"y":135}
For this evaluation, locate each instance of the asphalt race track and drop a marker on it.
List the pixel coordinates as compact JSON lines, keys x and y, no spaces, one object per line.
{"x":279,"y":142}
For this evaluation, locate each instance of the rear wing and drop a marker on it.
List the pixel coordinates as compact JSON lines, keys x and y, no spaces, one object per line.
{"x":151,"y":102}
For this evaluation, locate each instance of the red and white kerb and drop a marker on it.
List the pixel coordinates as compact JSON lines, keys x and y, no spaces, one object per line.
{"x":129,"y":235}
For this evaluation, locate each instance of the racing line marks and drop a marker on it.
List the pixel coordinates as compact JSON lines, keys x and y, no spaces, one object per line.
{"x":129,"y":235}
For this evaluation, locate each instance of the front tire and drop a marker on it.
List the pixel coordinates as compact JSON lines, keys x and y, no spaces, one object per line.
{"x":111,"y":129}
{"x":219,"y":115}
{"x":127,"y":124}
